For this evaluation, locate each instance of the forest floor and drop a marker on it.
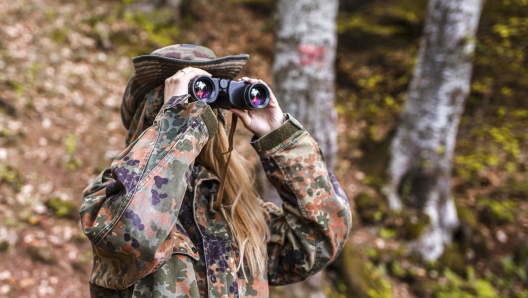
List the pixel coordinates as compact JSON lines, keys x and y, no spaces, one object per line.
{"x":64,"y":66}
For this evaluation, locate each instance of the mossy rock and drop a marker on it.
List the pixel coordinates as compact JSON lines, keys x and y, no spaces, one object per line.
{"x":371,"y":209}
{"x":360,"y":277}
{"x":397,"y":270}
{"x":63,"y":209}
{"x":9,"y":175}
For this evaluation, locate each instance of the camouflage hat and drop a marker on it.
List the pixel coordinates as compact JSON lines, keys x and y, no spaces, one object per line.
{"x":151,"y":71}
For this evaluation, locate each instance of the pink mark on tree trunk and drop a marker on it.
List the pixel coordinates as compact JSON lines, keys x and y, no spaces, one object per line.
{"x":312,"y":55}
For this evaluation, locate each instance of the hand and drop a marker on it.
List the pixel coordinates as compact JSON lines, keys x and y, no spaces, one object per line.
{"x":178,"y":84}
{"x":261,"y":121}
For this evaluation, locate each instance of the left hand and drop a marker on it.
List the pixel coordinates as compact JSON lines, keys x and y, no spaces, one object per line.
{"x":178,"y":84}
{"x":261,"y":121}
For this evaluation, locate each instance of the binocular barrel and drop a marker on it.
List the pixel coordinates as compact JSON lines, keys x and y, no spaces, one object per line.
{"x":227,"y":93}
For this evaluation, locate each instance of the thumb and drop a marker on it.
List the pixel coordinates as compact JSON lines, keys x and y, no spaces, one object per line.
{"x":243,"y":116}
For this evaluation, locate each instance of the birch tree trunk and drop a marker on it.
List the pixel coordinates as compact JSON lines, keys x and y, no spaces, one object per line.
{"x":419,"y":174}
{"x":303,"y":81}
{"x":303,"y":70}
{"x":303,"y":67}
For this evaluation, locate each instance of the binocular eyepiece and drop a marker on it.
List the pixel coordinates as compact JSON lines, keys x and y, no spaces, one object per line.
{"x":227,"y":93}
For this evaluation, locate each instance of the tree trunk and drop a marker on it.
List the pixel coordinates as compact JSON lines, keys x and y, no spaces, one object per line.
{"x":419,"y":175}
{"x":303,"y":81}
{"x":303,"y":70}
{"x":303,"y":67}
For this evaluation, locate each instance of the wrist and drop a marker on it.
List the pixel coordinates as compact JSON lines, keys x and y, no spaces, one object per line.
{"x":272,"y":126}
{"x":287,"y":132}
{"x":277,"y":124}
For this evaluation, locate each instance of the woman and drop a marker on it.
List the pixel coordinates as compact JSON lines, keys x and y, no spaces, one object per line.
{"x":159,"y":225}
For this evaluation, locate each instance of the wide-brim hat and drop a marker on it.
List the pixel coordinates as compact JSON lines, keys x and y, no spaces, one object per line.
{"x":152,"y":70}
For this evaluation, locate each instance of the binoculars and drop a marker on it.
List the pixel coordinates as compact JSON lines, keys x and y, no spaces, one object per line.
{"x":225,"y":94}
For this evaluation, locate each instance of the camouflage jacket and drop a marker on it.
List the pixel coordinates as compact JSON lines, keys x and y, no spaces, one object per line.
{"x":154,"y":235}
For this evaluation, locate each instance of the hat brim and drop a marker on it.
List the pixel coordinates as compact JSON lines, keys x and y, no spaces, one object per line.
{"x":151,"y":71}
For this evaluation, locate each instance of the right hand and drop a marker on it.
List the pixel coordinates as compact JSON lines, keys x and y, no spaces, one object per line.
{"x":178,"y":84}
{"x":261,"y":121}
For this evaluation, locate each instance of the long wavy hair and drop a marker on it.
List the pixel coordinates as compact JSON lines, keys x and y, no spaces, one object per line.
{"x":246,"y":220}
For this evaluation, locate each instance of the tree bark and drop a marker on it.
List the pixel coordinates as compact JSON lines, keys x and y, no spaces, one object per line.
{"x":303,"y":68}
{"x":303,"y":81}
{"x":419,"y":175}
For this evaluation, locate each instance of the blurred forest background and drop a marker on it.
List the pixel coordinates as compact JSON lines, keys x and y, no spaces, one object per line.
{"x":64,"y":66}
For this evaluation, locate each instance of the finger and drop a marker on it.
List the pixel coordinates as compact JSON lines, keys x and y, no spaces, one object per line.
{"x":190,"y":73}
{"x":195,"y":72}
{"x":242,"y":115}
{"x":249,"y":80}
{"x":198,"y":71}
{"x":273,"y":99}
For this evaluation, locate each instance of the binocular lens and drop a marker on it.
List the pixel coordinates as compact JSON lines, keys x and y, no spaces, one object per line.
{"x":257,"y":96}
{"x":202,"y":89}
{"x":225,"y":93}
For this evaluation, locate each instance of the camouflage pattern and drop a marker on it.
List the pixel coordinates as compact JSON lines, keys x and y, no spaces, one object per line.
{"x":186,"y":52}
{"x":149,"y":109}
{"x":145,"y":114}
{"x":153,"y":231}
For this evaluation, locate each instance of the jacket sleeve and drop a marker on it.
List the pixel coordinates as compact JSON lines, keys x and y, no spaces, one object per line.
{"x":128,"y":212}
{"x":311,"y":228}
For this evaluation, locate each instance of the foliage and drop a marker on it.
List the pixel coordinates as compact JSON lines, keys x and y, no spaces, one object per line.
{"x":360,"y":277}
{"x":59,"y":35}
{"x":131,"y":31}
{"x":9,"y":175}
{"x":371,"y":208}
{"x":502,"y":151}
{"x":456,"y":287}
{"x":70,"y":162}
{"x":511,"y":270}
{"x":158,"y":25}
{"x":397,"y":270}
{"x":62,"y":208}
{"x":387,"y":233}
{"x":453,"y":258}
{"x":493,"y":139}
{"x":372,"y":92}
{"x":498,"y":211}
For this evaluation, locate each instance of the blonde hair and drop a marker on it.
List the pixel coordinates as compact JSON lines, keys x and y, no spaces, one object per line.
{"x":246,"y":219}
